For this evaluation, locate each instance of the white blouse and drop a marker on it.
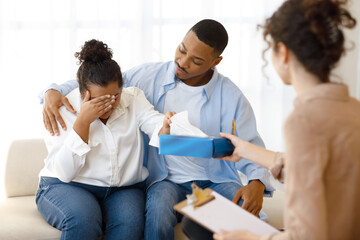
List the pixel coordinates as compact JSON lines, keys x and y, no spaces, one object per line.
{"x":114,"y":153}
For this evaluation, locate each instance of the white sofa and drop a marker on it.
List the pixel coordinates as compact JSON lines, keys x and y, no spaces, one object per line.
{"x":19,"y":217}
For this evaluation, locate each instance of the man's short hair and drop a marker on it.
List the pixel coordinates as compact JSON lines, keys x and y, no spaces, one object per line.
{"x":211,"y":33}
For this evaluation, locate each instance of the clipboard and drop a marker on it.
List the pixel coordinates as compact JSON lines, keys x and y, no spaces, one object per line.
{"x":222,"y":214}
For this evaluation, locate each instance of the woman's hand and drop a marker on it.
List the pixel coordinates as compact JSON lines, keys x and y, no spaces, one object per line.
{"x":166,"y":123}
{"x":244,"y":149}
{"x":92,"y":109}
{"x":236,"y":235}
{"x":240,"y":147}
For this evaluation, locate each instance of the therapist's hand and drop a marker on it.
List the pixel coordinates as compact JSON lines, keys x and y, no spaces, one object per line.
{"x":252,"y":195}
{"x":166,"y":123}
{"x":239,"y":150}
{"x":236,"y":235}
{"x":252,"y":152}
{"x":53,"y":100}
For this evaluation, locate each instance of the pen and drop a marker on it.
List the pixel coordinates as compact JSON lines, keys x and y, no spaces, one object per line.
{"x":234,"y":127}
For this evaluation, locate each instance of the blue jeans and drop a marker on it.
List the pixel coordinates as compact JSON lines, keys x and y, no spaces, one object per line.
{"x":160,"y":200}
{"x":84,"y":211}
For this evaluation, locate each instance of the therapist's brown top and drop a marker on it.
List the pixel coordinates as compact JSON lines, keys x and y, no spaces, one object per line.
{"x":321,"y":165}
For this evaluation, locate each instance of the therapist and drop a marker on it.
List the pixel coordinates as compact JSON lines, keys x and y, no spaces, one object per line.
{"x":321,"y":164}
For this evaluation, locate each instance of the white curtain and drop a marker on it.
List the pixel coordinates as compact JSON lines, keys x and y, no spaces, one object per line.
{"x":38,"y":39}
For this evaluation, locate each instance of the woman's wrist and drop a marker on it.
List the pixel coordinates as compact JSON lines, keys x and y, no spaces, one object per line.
{"x":257,"y":154}
{"x":82,"y":129}
{"x":247,"y":150}
{"x":83,"y":120}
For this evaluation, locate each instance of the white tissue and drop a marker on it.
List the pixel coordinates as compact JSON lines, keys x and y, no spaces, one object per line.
{"x":180,"y":126}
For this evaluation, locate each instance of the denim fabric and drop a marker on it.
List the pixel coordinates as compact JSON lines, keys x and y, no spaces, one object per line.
{"x":162,"y":196}
{"x":84,"y":211}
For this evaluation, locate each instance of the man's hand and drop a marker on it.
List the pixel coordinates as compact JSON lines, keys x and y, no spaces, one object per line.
{"x":53,"y":100}
{"x":252,"y":195}
{"x":166,"y":123}
{"x":236,"y":235}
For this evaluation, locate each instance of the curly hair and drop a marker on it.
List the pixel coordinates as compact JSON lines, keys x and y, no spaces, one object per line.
{"x":97,"y":66}
{"x":312,"y":30}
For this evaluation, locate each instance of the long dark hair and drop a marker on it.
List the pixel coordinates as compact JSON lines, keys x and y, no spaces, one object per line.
{"x":312,"y":30}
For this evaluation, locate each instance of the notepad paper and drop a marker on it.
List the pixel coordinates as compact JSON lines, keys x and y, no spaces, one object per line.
{"x":222,"y":214}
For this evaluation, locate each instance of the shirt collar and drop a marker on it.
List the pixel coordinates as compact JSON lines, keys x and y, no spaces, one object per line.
{"x":329,"y":91}
{"x":125,"y":101}
{"x":208,"y":88}
{"x":171,"y":78}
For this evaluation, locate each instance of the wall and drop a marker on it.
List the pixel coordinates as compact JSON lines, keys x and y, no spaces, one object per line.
{"x":349,"y":67}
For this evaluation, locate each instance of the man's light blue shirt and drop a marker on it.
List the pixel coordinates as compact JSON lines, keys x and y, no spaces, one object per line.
{"x":223,"y":102}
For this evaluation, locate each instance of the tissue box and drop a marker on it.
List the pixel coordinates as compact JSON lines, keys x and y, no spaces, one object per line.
{"x":204,"y":147}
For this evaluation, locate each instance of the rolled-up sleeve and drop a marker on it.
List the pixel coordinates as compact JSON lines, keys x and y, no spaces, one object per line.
{"x":277,"y":169}
{"x":256,"y":172}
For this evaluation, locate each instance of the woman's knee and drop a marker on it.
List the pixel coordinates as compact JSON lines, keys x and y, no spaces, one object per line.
{"x":72,"y":210}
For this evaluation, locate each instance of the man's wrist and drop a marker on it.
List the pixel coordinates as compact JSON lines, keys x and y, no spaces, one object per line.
{"x":51,"y":89}
{"x":258,"y":182}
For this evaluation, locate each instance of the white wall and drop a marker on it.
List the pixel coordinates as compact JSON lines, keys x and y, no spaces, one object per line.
{"x":349,"y":67}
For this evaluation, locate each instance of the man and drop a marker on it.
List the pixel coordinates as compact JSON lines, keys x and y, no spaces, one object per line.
{"x":190,"y":82}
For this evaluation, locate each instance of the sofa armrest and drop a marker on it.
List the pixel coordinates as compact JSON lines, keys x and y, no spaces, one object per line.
{"x":24,"y":161}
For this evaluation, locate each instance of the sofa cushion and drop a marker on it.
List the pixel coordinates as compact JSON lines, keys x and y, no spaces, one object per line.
{"x":274,"y":208}
{"x":20,"y":219}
